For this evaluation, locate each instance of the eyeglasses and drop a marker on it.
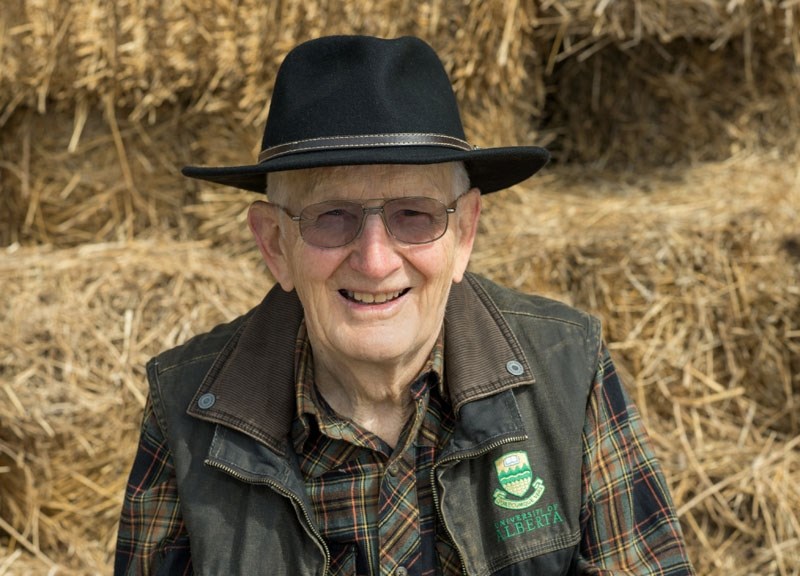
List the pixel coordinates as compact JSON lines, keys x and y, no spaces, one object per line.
{"x":335,"y":223}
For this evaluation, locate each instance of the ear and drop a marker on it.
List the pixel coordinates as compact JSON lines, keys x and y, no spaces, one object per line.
{"x":468,"y":214}
{"x":263,"y":220}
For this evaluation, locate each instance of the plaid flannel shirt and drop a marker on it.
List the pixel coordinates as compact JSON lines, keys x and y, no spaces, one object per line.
{"x":371,"y":522}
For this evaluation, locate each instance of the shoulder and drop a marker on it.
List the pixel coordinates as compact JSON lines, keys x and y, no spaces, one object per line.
{"x":174,"y":375}
{"x":538,"y":309}
{"x":202,"y":348}
{"x":556,"y":338}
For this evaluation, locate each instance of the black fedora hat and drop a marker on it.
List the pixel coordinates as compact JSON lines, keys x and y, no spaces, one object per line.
{"x":346,"y":100}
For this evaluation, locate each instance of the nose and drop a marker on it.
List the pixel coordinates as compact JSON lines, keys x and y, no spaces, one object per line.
{"x":375,"y":251}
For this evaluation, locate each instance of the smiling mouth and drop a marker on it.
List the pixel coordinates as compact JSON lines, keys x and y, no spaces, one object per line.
{"x":369,"y":298}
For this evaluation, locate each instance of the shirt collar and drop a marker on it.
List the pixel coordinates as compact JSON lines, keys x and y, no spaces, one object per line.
{"x":311,"y":405}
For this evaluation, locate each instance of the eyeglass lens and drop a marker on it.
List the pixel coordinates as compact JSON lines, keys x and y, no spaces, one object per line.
{"x":413,"y":220}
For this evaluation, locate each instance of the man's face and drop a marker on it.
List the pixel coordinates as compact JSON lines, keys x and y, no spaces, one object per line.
{"x":375,"y":300}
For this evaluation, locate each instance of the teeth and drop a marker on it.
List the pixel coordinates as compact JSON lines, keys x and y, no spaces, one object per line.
{"x":367,"y":298}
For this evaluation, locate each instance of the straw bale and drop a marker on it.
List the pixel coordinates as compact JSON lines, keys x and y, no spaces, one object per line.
{"x":651,"y":82}
{"x":547,"y":63}
{"x":101,"y":103}
{"x":82,"y":322}
{"x":668,"y":103}
{"x":217,"y":56}
{"x":118,"y":182}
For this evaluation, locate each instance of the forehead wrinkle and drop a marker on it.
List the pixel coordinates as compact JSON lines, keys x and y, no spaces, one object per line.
{"x":299,"y":188}
{"x":382,"y":181}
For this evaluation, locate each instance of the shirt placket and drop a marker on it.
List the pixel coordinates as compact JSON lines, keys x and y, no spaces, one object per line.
{"x":398,"y":521}
{"x":388,"y":542}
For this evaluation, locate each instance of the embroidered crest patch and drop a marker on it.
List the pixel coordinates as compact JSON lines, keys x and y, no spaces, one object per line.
{"x":516,"y":479}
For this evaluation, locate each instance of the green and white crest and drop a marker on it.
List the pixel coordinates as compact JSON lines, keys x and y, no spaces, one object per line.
{"x":514,"y":473}
{"x":516,"y":478}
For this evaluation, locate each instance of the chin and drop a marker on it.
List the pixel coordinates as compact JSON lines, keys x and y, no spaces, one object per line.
{"x":379,"y":352}
{"x":381,"y":346}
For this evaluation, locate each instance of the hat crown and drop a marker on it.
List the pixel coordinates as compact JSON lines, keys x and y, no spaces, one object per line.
{"x":358,"y":85}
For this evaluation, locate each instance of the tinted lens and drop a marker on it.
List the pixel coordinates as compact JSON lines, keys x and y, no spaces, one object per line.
{"x":331,"y":224}
{"x":415,"y":220}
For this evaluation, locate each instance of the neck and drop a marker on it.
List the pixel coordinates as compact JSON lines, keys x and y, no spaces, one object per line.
{"x":375,"y":396}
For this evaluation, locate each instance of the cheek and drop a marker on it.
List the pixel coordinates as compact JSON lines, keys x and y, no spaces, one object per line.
{"x":437,"y":267}
{"x":311,"y":269}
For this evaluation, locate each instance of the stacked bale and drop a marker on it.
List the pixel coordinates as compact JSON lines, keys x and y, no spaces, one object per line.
{"x":110,"y":256}
{"x":604,"y":82}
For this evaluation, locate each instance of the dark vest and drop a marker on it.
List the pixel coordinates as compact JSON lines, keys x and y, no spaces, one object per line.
{"x":508,"y":486}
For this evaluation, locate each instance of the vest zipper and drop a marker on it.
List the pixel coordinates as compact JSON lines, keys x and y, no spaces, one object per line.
{"x":462,"y":456}
{"x":281,"y":490}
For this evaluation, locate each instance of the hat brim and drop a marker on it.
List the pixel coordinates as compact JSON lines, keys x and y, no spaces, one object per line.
{"x":489,"y":169}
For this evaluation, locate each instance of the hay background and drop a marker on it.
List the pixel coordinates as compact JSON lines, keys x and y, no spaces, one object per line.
{"x":671,"y":212}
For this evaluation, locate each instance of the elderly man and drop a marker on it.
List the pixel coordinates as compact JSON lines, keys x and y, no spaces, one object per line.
{"x":383,"y":411}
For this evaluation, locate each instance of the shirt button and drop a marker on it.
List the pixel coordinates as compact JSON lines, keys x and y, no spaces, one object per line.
{"x":401,"y":571}
{"x":394,"y":470}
